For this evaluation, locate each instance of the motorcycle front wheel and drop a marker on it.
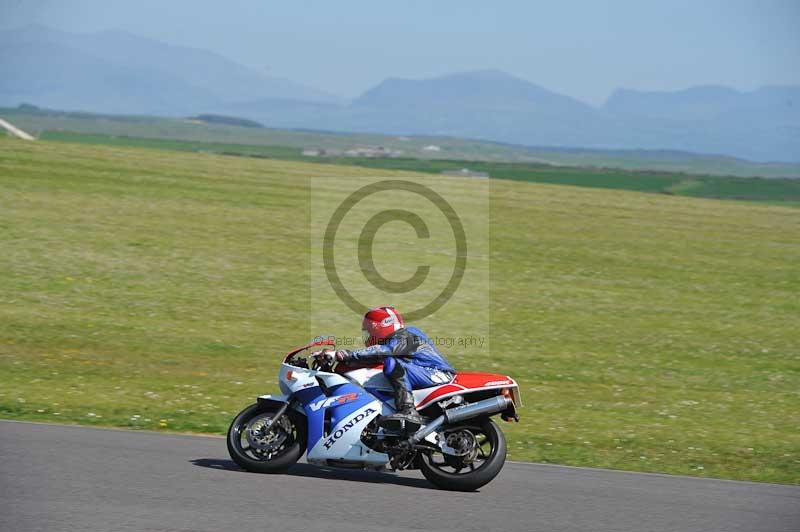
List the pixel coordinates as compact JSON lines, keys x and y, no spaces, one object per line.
{"x":259,"y":443}
{"x":477,"y":454}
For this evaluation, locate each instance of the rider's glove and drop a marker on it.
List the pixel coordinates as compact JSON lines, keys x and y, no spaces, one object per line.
{"x":333,"y":356}
{"x":342,"y":355}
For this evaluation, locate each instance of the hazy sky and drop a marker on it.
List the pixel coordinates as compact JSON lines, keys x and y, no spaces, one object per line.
{"x":581,"y":48}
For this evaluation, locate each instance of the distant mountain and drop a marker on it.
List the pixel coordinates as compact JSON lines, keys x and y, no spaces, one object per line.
{"x":61,"y":77}
{"x":761,"y":125}
{"x":708,"y":103}
{"x":485,"y":104}
{"x":483,"y":89}
{"x":114,"y":71}
{"x":694,"y":103}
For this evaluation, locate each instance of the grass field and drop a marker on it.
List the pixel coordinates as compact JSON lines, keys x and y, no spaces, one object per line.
{"x":155,"y":289}
{"x":779,"y":191}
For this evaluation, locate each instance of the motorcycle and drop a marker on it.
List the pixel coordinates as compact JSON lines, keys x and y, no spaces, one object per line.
{"x":333,"y":412}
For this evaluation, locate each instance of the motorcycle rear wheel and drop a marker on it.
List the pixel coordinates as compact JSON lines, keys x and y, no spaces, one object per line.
{"x":456,"y":474}
{"x":261,"y":444}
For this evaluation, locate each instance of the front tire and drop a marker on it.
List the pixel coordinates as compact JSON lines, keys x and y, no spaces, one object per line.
{"x":462,"y":474}
{"x":261,"y":444}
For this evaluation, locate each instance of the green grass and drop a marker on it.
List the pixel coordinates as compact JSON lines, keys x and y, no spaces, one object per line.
{"x":781,"y":191}
{"x":648,"y":332}
{"x":287,"y":153}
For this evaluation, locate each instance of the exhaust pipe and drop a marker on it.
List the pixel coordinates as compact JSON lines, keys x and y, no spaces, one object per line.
{"x":487,"y":406}
{"x":454,"y":415}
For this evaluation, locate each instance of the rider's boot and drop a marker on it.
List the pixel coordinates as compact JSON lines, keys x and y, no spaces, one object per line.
{"x":406,"y":418}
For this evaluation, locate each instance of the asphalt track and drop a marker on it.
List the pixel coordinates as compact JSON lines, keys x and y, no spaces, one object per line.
{"x":70,"y":478}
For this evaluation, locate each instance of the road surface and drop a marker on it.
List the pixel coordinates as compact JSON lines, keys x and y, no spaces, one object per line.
{"x":70,"y":478}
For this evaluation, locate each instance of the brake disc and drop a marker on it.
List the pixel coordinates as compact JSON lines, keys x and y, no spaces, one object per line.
{"x":265,"y":435}
{"x":460,"y":443}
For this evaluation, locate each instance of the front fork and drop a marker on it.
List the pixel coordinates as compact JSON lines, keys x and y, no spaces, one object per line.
{"x":281,"y":411}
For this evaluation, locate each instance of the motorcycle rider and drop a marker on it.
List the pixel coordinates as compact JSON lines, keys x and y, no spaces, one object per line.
{"x":410,"y":361}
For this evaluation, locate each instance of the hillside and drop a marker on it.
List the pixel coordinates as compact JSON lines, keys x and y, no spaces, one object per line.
{"x":778,"y":191}
{"x":53,"y":123}
{"x":148,"y":289}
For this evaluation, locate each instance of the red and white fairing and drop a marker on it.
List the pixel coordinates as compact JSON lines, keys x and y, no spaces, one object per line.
{"x":463,"y":383}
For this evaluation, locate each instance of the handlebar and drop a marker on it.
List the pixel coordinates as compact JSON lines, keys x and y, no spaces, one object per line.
{"x":293,"y":357}
{"x":319,"y":343}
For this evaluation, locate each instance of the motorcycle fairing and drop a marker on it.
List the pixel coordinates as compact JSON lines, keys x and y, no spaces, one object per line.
{"x":343,"y":441}
{"x":464,"y":382}
{"x":374,"y":381}
{"x":329,"y":399}
{"x":279,"y":400}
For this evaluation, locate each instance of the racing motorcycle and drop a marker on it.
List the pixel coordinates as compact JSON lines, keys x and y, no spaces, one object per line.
{"x":333,"y":411}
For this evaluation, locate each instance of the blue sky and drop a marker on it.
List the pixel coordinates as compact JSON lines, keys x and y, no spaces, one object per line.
{"x":580,"y":48}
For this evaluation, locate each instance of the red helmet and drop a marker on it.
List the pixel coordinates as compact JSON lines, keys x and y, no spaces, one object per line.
{"x":379,"y":324}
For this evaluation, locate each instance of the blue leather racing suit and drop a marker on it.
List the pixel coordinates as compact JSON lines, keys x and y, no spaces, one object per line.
{"x":416,"y":356}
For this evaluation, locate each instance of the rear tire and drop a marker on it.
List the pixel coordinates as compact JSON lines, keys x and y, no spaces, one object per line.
{"x":481,"y":475}
{"x":288,"y":437}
